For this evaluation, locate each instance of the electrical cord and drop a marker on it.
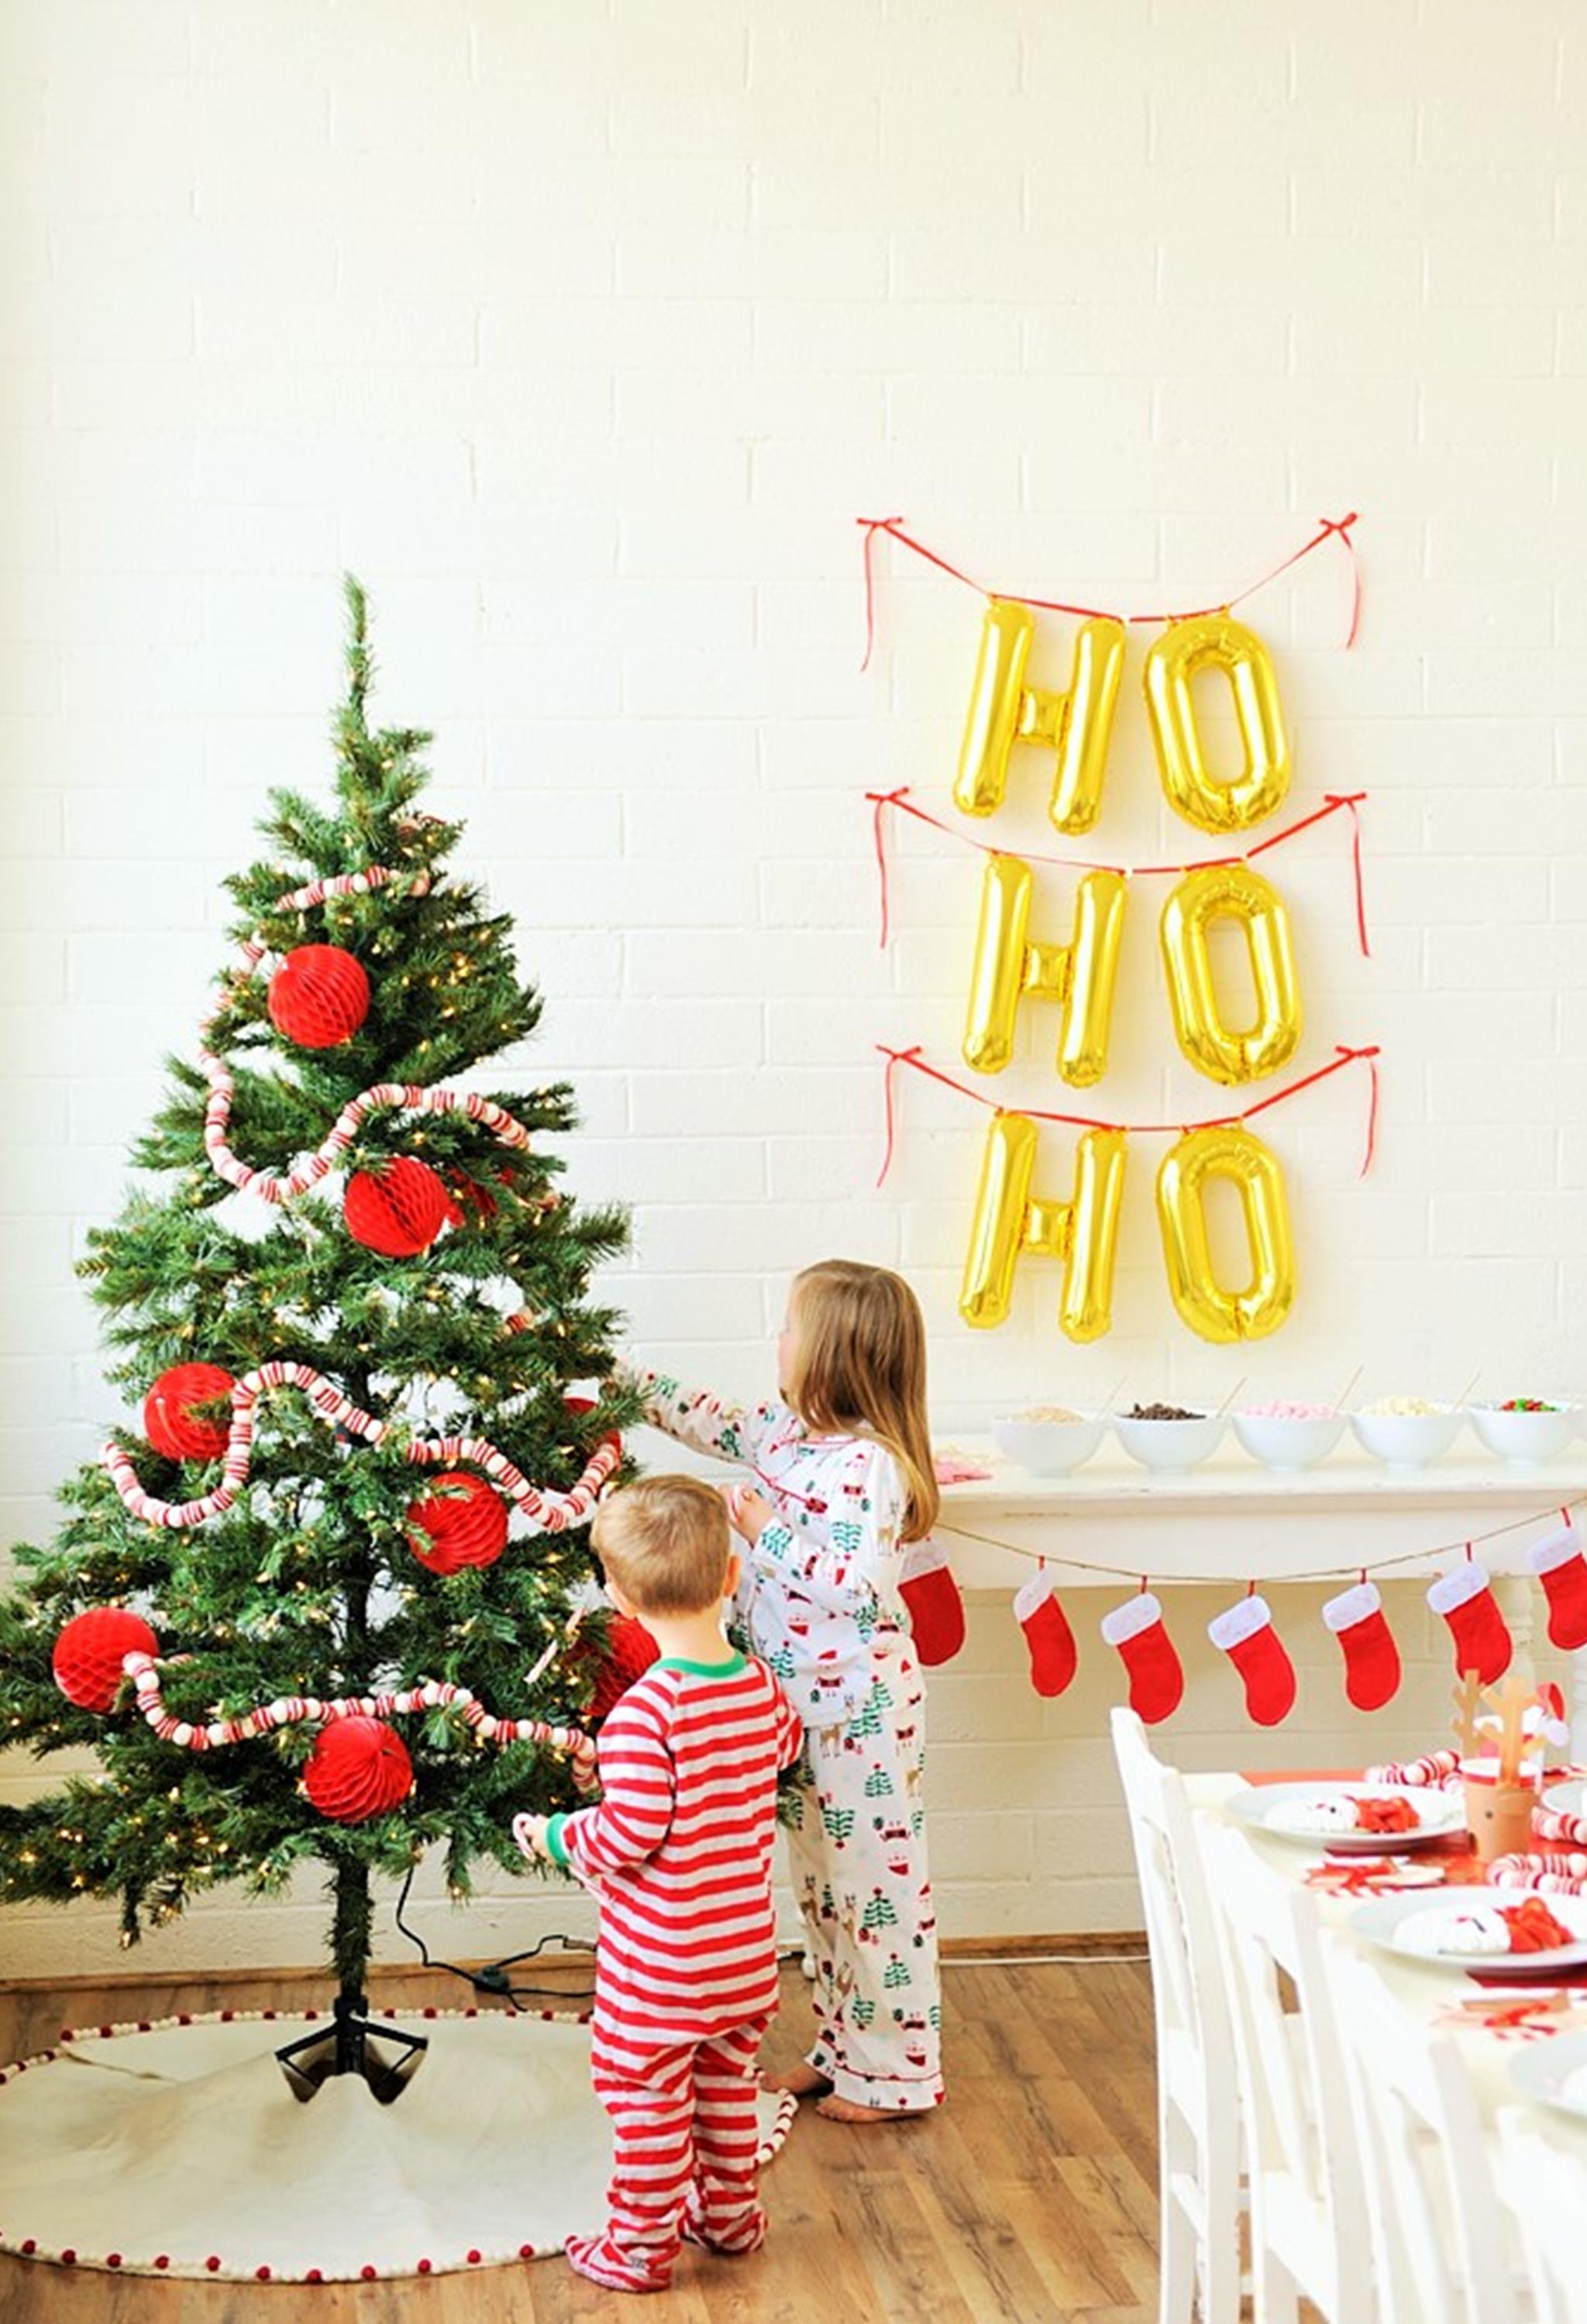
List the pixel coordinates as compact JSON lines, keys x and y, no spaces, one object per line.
{"x":492,"y":1979}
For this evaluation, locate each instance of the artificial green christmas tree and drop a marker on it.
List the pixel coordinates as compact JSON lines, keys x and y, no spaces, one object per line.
{"x":351,"y":1302}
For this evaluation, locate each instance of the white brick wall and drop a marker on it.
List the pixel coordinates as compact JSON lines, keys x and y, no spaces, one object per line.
{"x":583,"y":335}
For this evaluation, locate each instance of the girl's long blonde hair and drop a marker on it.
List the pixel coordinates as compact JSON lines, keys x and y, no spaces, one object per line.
{"x":860,"y":1364}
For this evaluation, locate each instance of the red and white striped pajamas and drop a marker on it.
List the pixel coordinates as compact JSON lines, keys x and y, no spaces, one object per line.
{"x":679,"y":1852}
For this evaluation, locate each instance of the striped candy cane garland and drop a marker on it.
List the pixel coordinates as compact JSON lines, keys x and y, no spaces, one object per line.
{"x":408,"y":1096}
{"x":546,"y":1511}
{"x":309,"y":1711}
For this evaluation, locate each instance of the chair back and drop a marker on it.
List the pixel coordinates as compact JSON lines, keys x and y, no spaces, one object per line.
{"x":1540,"y":2188}
{"x":1304,"y":2172}
{"x":1187,"y":1981}
{"x":1439,"y":2236}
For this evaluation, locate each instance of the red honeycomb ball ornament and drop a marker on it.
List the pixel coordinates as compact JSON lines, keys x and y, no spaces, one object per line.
{"x":468,"y":1196}
{"x":581,"y":1404}
{"x":397,"y":1211}
{"x":359,"y":1767}
{"x":627,"y":1655}
{"x":87,"y":1656}
{"x":171,"y":1424}
{"x":319,"y":997}
{"x":462,"y":1522}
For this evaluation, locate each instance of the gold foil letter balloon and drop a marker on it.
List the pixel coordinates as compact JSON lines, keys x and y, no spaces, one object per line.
{"x":1009,"y":1224}
{"x":1003,"y":710}
{"x":1217,"y":642}
{"x":1230,"y":891}
{"x":1079,"y":976}
{"x":1226,"y":1150}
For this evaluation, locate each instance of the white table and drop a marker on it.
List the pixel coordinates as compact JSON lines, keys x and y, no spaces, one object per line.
{"x":1423,"y":1993}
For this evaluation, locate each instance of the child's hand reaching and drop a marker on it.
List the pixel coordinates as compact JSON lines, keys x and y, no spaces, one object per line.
{"x":749,"y":1512}
{"x":529,"y":1832}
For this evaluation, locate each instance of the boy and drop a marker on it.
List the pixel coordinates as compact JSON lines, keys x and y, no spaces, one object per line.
{"x":679,"y":1852}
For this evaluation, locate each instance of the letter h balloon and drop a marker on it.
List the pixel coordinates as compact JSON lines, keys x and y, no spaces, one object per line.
{"x":1012,"y":965}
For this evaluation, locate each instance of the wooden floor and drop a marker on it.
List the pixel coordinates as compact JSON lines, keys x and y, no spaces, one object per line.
{"x":1028,"y":2199}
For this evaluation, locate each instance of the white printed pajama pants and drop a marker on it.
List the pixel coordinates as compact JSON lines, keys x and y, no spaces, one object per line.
{"x":858,"y":1859}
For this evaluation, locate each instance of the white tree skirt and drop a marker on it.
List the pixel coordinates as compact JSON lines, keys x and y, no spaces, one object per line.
{"x":179,"y":2149}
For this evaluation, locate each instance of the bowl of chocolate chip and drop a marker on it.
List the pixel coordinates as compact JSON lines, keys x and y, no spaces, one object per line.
{"x":1169,"y":1436}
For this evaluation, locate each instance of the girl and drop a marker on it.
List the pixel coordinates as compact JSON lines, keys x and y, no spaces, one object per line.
{"x":844,"y":1458}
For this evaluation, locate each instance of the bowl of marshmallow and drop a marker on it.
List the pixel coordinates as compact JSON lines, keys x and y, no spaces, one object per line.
{"x":1287,"y":1435}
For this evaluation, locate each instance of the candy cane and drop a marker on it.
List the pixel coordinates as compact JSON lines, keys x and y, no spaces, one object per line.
{"x":309,"y":1710}
{"x":1558,"y":1875}
{"x":1440,"y":1767}
{"x":1553,"y":1824}
{"x":548,"y":1511}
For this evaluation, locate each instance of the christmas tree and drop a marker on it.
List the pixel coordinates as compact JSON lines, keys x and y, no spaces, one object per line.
{"x":339,"y":1546}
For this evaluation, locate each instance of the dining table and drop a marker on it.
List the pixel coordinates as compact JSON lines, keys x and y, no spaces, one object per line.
{"x":1494,"y":2022}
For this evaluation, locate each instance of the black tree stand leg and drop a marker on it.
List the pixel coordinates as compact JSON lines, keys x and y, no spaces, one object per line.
{"x":353,"y":2044}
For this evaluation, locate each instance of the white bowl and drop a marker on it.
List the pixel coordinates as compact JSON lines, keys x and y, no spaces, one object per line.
{"x":1524,"y":1438}
{"x":1289,"y":1444}
{"x":1170,"y":1443}
{"x":1407,"y":1439}
{"x":1049,"y":1448}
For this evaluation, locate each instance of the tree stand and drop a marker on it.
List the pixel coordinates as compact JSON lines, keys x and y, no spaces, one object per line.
{"x":352,"y":2044}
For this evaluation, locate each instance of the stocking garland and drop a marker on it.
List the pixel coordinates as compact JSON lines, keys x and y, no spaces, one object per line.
{"x":1245,"y":1633}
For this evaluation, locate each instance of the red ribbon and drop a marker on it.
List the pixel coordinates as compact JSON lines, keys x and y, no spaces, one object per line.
{"x":1352,"y":1878}
{"x":1333,"y":801}
{"x":1367,"y":1055}
{"x":1328,"y":529}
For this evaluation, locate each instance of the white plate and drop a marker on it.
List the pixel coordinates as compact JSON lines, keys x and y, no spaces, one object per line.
{"x":1440,"y":1813}
{"x":1542,"y":2069}
{"x":1566,"y":1799}
{"x":1381,"y":1920}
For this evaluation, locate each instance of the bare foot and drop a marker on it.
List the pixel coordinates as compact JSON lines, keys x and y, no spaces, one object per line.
{"x":837,"y":2109}
{"x":803,"y":2080}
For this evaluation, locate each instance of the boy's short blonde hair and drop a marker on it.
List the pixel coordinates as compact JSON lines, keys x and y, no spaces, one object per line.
{"x":666,"y":1543}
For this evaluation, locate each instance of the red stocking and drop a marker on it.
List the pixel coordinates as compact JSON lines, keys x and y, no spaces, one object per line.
{"x":937,"y":1610}
{"x":1245,"y":1633}
{"x":1562,"y":1569}
{"x":1371,"y":1658}
{"x":1465,"y":1599}
{"x":1053,"y":1653}
{"x":1156,"y":1679}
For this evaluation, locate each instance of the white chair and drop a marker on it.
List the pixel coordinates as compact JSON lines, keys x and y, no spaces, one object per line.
{"x":1541,"y":2188}
{"x":1198,"y":2128}
{"x":1308,"y":2236}
{"x":1440,"y":2248}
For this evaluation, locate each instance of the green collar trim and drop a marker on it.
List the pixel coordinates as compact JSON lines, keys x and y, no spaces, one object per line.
{"x":734,"y":1664}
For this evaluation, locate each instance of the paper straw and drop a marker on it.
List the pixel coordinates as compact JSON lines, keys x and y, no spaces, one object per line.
{"x":1350,"y":1383}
